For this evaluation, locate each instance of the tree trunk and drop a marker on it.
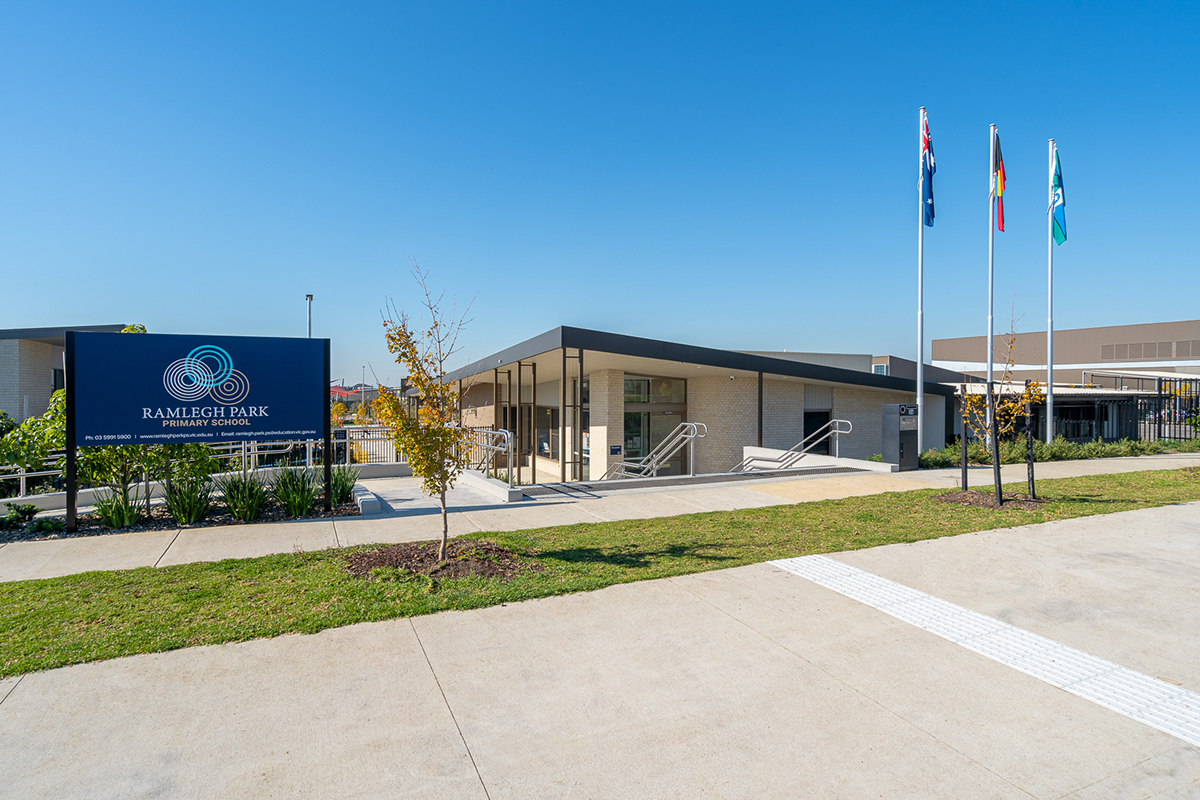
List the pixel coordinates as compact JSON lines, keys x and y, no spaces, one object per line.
{"x":996,"y":448}
{"x":445,"y":527}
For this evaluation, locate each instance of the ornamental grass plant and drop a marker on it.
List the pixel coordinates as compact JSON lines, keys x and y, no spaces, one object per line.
{"x":296,"y":490}
{"x":343,"y":479}
{"x":189,"y":500}
{"x":245,"y":495}
{"x":120,"y":509}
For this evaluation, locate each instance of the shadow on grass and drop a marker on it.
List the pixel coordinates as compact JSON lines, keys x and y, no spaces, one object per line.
{"x":1090,"y":499}
{"x":630,"y":555}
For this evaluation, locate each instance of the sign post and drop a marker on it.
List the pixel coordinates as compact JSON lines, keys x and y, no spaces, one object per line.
{"x":71,"y":468}
{"x":328,"y":459}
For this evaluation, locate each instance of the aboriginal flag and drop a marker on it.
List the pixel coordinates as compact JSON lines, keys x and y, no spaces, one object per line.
{"x":998,"y":181}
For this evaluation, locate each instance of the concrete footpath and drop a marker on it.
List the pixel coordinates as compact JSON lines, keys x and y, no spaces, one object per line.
{"x":742,"y":683}
{"x":410,"y":516}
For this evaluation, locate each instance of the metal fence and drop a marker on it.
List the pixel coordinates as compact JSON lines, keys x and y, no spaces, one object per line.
{"x":352,"y":444}
{"x":1173,"y":412}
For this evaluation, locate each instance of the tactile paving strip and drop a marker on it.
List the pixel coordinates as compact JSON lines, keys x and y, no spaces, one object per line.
{"x":1171,"y":709}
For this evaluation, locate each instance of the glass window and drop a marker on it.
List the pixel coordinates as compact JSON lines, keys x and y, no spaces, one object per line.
{"x":655,"y":390}
{"x":637,"y":390}
{"x":668,"y":390}
{"x":547,"y":432}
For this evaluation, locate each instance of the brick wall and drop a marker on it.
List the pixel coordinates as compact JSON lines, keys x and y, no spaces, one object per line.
{"x":606,"y":418}
{"x":25,"y":372}
{"x":477,"y":405}
{"x":783,"y":414}
{"x":10,"y":376}
{"x":863,"y":409}
{"x":730,"y":410}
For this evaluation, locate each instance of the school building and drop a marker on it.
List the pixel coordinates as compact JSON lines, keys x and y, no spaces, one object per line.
{"x":579,"y":401}
{"x":31,"y":367}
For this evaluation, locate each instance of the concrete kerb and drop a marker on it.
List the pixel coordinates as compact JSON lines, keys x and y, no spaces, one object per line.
{"x":489,"y":485}
{"x":366,"y":500}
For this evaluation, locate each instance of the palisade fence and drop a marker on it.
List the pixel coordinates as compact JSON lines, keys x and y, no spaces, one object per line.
{"x":352,"y":444}
{"x":1172,"y":412}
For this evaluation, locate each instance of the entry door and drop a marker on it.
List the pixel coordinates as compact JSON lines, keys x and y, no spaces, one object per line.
{"x":661,"y":426}
{"x":813,"y":422}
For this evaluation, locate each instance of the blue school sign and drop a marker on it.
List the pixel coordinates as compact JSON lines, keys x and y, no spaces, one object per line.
{"x":166,"y":389}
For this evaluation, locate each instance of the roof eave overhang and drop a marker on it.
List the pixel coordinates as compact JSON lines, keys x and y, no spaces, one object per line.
{"x":634,"y":346}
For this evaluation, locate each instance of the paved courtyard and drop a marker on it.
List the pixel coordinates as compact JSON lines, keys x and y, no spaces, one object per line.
{"x":742,"y":683}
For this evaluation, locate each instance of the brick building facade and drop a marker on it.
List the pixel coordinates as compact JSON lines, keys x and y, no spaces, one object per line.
{"x":579,"y":401}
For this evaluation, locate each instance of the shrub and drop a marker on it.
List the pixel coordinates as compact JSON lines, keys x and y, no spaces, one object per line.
{"x":938,"y":459}
{"x":1013,"y":452}
{"x":119,"y":510}
{"x":18,"y":515}
{"x":189,"y":499}
{"x":245,"y":495}
{"x":296,"y":490}
{"x":343,"y":480}
{"x":47,"y":525}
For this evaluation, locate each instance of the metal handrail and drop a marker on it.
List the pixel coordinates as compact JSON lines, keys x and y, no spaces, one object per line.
{"x":832,"y":428}
{"x":248,"y":451}
{"x":665,"y":450}
{"x":503,"y":443}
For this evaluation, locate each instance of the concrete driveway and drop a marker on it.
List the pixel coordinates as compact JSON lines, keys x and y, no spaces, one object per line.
{"x":742,"y":683}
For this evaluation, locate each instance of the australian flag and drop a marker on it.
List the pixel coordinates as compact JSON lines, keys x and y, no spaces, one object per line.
{"x":927,"y":169}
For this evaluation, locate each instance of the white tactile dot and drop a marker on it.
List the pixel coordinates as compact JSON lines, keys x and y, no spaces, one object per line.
{"x":1171,"y":709}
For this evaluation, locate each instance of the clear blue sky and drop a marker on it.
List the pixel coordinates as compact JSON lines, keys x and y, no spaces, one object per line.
{"x":736,"y":175}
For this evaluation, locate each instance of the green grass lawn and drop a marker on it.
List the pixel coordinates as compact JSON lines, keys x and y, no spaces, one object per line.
{"x":99,"y":615}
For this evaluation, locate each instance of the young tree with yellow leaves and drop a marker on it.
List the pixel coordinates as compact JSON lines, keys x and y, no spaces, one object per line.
{"x":337,"y":414}
{"x":433,"y":443}
{"x":1009,"y":405}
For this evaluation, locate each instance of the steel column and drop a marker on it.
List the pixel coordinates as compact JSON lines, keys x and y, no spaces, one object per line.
{"x":562,"y":420}
{"x":760,"y":409}
{"x":533,"y":422}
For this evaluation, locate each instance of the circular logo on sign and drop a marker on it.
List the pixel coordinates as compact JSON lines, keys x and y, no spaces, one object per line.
{"x":207,"y":370}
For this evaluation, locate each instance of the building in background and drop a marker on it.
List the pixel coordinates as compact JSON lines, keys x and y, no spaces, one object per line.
{"x":32,"y":368}
{"x":1083,"y":355}
{"x":1115,"y":382}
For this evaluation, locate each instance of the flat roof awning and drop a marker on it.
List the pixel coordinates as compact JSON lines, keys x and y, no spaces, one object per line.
{"x":55,"y":336}
{"x":657,"y":358}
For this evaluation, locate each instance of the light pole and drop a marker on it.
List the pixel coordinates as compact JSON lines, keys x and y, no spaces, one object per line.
{"x":308,"y":297}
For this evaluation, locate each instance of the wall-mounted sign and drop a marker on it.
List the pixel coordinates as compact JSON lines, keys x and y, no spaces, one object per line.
{"x":166,"y":389}
{"x":614,"y":449}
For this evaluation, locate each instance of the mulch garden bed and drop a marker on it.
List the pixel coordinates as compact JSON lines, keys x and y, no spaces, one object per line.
{"x":974,"y":497}
{"x":160,"y":519}
{"x":463,"y":557}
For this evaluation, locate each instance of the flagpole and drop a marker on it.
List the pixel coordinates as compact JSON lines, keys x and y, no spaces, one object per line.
{"x":991,"y":263}
{"x":920,"y":281}
{"x":1050,"y":303}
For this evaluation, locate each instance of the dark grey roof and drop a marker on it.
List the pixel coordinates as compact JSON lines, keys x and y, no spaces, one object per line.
{"x":56,"y":336}
{"x":619,"y":344}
